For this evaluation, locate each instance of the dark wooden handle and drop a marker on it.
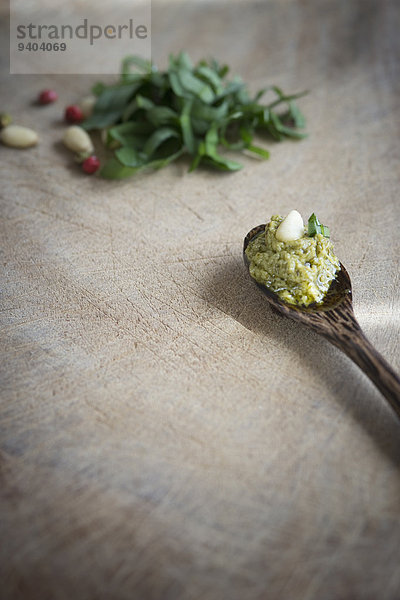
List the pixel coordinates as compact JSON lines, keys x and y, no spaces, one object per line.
{"x":362,"y":352}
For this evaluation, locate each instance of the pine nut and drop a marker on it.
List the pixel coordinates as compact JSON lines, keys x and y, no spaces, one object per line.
{"x":16,"y":136}
{"x":291,"y":228}
{"x":78,"y":140}
{"x":87,"y":105}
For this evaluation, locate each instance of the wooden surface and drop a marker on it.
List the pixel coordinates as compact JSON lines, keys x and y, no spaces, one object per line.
{"x":164,"y":434}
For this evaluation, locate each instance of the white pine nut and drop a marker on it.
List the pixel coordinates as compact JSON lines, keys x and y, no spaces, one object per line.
{"x":17,"y":136}
{"x":78,"y":140}
{"x":87,"y":105}
{"x":291,"y":228}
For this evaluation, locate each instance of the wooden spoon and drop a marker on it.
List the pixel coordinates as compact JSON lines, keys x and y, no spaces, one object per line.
{"x":335,"y":320}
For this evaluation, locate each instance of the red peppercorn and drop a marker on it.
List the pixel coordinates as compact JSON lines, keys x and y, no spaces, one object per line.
{"x":73,"y":114}
{"x":91,"y":164}
{"x":47,"y":97}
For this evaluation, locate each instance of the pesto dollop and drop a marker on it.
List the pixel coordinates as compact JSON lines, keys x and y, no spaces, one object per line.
{"x":299,"y":271}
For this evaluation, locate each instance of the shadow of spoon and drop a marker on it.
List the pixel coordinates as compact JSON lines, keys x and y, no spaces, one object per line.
{"x":334,"y":319}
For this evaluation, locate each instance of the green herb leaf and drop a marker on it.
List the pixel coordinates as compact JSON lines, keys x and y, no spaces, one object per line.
{"x":129,"y":157}
{"x":136,"y":61}
{"x":211,"y":155}
{"x":110,"y":106}
{"x":187,"y":131}
{"x":161,"y":115}
{"x":98,"y":88}
{"x":152,"y":117}
{"x":158,"y":163}
{"x":259,"y":151}
{"x":131,"y":134}
{"x":211,"y":77}
{"x":113,"y":169}
{"x":157,"y":138}
{"x":315,"y":226}
{"x":200,"y":153}
{"x":221,"y":163}
{"x":196,"y":87}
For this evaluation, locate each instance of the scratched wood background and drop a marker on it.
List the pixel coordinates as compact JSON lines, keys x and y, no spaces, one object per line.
{"x":164,"y":435}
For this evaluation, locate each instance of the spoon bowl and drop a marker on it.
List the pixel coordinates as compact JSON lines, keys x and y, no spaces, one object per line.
{"x":339,"y":291}
{"x":334,"y":319}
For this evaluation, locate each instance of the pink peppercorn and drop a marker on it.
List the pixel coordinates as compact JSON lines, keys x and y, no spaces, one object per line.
{"x":91,"y":164}
{"x":73,"y":114}
{"x":47,"y":97}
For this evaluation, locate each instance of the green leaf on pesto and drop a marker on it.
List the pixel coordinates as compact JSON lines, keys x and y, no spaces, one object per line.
{"x":315,"y":226}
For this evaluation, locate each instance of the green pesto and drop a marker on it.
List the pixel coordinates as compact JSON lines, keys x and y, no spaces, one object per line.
{"x":299,"y":271}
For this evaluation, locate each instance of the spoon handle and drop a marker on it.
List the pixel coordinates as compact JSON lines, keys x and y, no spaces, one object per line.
{"x":362,"y":352}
